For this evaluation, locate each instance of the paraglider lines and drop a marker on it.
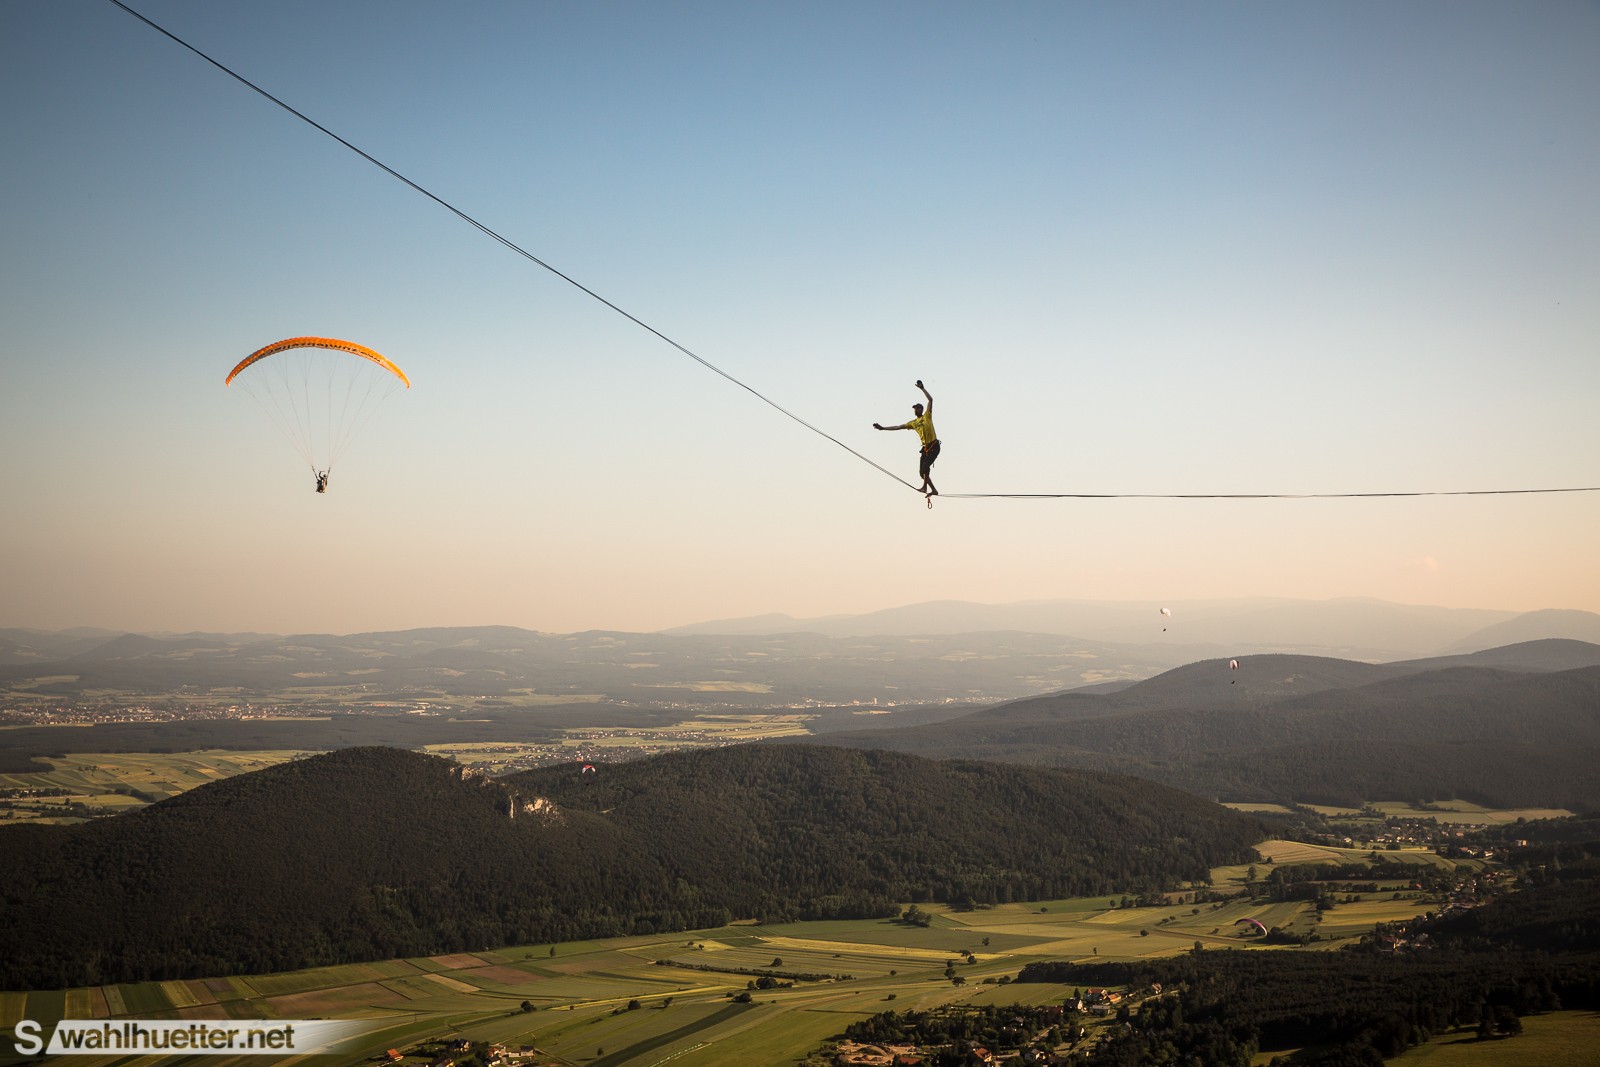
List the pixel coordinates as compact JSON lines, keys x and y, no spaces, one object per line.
{"x":519,"y":250}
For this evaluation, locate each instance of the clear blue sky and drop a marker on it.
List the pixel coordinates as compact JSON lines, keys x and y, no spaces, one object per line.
{"x":1131,"y":247}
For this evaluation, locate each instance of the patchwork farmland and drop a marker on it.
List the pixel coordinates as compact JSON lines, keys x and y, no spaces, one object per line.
{"x":679,"y":997}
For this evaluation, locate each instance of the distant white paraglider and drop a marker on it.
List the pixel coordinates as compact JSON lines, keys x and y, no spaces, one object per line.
{"x":1168,"y":613}
{"x":1233,"y":665}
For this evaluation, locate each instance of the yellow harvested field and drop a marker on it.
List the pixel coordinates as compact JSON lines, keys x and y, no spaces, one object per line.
{"x":799,"y":944}
{"x":181,"y":995}
{"x":451,"y":984}
{"x":1300,"y":852}
{"x":12,"y":1006}
{"x":1119,"y":917}
{"x":79,"y":1004}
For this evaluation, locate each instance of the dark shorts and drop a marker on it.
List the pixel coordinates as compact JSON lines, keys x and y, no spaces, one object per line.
{"x":929,"y":454}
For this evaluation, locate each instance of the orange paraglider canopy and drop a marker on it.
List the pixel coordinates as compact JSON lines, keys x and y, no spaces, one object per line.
{"x":318,"y":342}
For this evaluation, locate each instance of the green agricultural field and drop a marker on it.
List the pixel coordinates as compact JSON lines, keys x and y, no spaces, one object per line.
{"x":1329,"y":811}
{"x":1464,"y":812}
{"x":1568,"y":1038}
{"x":1299,"y":852}
{"x":122,"y":781}
{"x":111,"y":783}
{"x":648,"y":1033}
{"x":610,"y":1003}
{"x":1352,"y":920}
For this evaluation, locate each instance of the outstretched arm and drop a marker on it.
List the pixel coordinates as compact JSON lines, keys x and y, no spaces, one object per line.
{"x":928,"y":395}
{"x":902,"y":426}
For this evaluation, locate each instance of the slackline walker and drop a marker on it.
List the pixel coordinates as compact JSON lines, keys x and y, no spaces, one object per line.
{"x":927,"y":487}
{"x":923,"y":424}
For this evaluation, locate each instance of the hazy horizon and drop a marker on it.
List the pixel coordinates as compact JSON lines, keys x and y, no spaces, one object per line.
{"x":1195,"y":620}
{"x":1131,"y":248}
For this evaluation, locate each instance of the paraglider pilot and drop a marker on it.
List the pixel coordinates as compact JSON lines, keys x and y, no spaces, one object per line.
{"x":322,"y":481}
{"x":923,"y":424}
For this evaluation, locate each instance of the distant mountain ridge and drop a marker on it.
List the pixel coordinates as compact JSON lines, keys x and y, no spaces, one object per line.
{"x":503,"y":666}
{"x":1514,"y":726}
{"x":1354,"y":624}
{"x":929,"y":653}
{"x":1534,"y":626}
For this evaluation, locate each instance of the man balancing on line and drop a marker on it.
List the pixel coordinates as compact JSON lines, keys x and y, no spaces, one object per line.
{"x":923,"y":424}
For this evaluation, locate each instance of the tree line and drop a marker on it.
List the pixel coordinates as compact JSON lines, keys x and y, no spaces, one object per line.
{"x":374,"y":853}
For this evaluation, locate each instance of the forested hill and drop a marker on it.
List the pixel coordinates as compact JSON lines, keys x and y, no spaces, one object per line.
{"x":904,"y":827}
{"x":1518,"y":726}
{"x":370,"y":853}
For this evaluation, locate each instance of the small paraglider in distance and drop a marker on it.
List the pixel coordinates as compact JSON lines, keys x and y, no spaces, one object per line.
{"x":320,"y":391}
{"x":1233,"y":665}
{"x":1253,"y":924}
{"x":1166,"y":613}
{"x":588,"y":768}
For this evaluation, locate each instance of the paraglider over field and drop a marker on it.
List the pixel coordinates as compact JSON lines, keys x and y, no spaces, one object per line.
{"x":320,"y":391}
{"x":1250,"y":926}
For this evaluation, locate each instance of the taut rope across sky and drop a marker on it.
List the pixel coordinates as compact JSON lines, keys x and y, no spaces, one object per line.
{"x":519,"y":250}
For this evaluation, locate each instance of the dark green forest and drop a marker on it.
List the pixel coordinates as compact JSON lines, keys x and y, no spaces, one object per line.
{"x":372,"y":853}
